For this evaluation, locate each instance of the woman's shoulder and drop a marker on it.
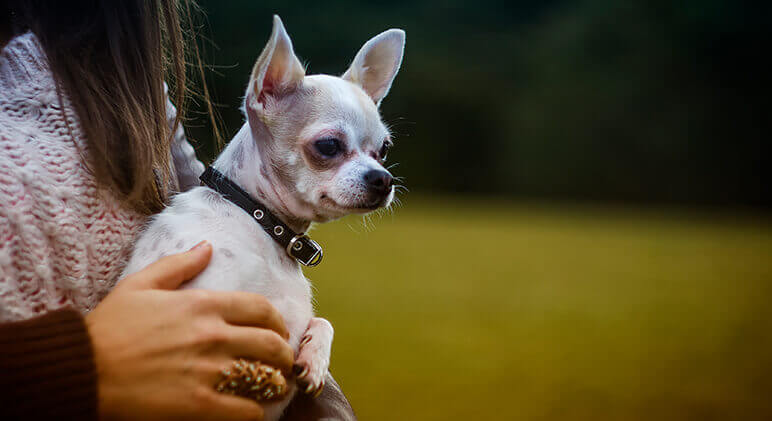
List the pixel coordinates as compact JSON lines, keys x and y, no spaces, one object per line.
{"x":64,"y":237}
{"x":31,"y":109}
{"x":34,"y":134}
{"x":24,"y":69}
{"x":34,"y":117}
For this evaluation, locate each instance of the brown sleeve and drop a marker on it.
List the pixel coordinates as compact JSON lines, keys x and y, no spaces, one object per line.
{"x":47,"y":369}
{"x":330,"y":405}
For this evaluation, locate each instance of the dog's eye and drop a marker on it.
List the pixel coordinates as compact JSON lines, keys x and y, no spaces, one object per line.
{"x":384,"y":152}
{"x":328,"y":147}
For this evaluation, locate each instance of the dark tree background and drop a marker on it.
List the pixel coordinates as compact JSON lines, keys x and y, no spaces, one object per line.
{"x":639,"y":101}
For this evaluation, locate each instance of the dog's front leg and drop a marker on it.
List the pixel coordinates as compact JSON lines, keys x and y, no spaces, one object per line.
{"x":313,"y":359}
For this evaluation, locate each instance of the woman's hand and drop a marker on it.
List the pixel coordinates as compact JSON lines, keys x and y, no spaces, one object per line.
{"x":159,"y":352}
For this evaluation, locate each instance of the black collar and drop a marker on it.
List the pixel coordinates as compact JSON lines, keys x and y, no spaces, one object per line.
{"x":298,"y":246}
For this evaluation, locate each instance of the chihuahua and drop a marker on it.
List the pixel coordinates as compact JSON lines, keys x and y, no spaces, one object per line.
{"x":312,"y":150}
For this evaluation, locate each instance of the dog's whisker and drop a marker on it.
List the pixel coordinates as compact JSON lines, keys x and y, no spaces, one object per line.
{"x":352,"y":228}
{"x":390,"y":208}
{"x":365,"y":222}
{"x":400,"y":121}
{"x":401,"y":188}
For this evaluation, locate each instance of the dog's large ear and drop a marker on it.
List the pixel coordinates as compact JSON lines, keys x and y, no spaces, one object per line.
{"x":377,"y":63}
{"x":277,"y":70}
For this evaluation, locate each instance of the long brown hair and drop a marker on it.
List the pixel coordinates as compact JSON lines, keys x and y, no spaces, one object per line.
{"x":111,"y":58}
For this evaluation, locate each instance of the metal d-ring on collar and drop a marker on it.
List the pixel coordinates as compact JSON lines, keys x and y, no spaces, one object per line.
{"x":298,"y":246}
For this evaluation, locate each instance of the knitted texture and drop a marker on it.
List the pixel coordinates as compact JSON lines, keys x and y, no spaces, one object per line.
{"x":63,"y":240}
{"x":48,"y":370}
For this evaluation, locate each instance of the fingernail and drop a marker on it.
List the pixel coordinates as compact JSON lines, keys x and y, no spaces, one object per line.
{"x":199,"y":245}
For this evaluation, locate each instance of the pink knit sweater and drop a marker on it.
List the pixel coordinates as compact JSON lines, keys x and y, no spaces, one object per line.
{"x":63,"y":240}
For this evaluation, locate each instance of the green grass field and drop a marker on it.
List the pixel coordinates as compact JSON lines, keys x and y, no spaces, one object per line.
{"x":454,"y":309}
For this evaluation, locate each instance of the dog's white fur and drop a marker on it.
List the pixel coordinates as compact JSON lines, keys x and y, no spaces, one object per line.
{"x":272,"y":158}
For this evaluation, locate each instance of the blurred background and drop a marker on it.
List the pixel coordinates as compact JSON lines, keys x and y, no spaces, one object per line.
{"x":587,"y":233}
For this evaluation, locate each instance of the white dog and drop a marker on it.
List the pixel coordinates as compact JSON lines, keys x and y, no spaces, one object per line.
{"x":312,"y":150}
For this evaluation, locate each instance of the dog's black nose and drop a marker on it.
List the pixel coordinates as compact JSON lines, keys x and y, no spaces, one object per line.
{"x":379,"y":180}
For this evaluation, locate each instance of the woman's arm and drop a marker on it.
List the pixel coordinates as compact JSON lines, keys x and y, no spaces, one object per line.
{"x":330,"y":405}
{"x":47,"y":368}
{"x":147,"y":351}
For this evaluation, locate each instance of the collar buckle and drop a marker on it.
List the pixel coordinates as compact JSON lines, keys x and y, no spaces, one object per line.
{"x":301,"y":248}
{"x":298,"y":243}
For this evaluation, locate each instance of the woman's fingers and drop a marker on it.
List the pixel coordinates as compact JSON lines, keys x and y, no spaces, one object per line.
{"x":260,"y":345}
{"x":247,"y":309}
{"x":171,"y":271}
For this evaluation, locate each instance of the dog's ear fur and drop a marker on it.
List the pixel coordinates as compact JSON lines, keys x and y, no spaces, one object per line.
{"x":277,"y":70}
{"x":377,"y":63}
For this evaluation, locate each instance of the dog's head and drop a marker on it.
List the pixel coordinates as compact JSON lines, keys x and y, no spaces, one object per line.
{"x":322,"y":136}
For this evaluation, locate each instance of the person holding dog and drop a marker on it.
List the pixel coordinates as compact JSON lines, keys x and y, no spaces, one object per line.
{"x":90,"y":147}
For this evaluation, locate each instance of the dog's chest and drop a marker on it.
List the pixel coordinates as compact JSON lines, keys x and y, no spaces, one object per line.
{"x":287,"y":289}
{"x":243,"y":263}
{"x":244,"y":257}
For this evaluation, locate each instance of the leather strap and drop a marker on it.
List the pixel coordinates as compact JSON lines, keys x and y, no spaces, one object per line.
{"x":297,"y":246}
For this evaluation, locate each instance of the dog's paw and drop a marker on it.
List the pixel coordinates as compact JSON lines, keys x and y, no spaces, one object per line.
{"x":313,"y":359}
{"x":311,"y":367}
